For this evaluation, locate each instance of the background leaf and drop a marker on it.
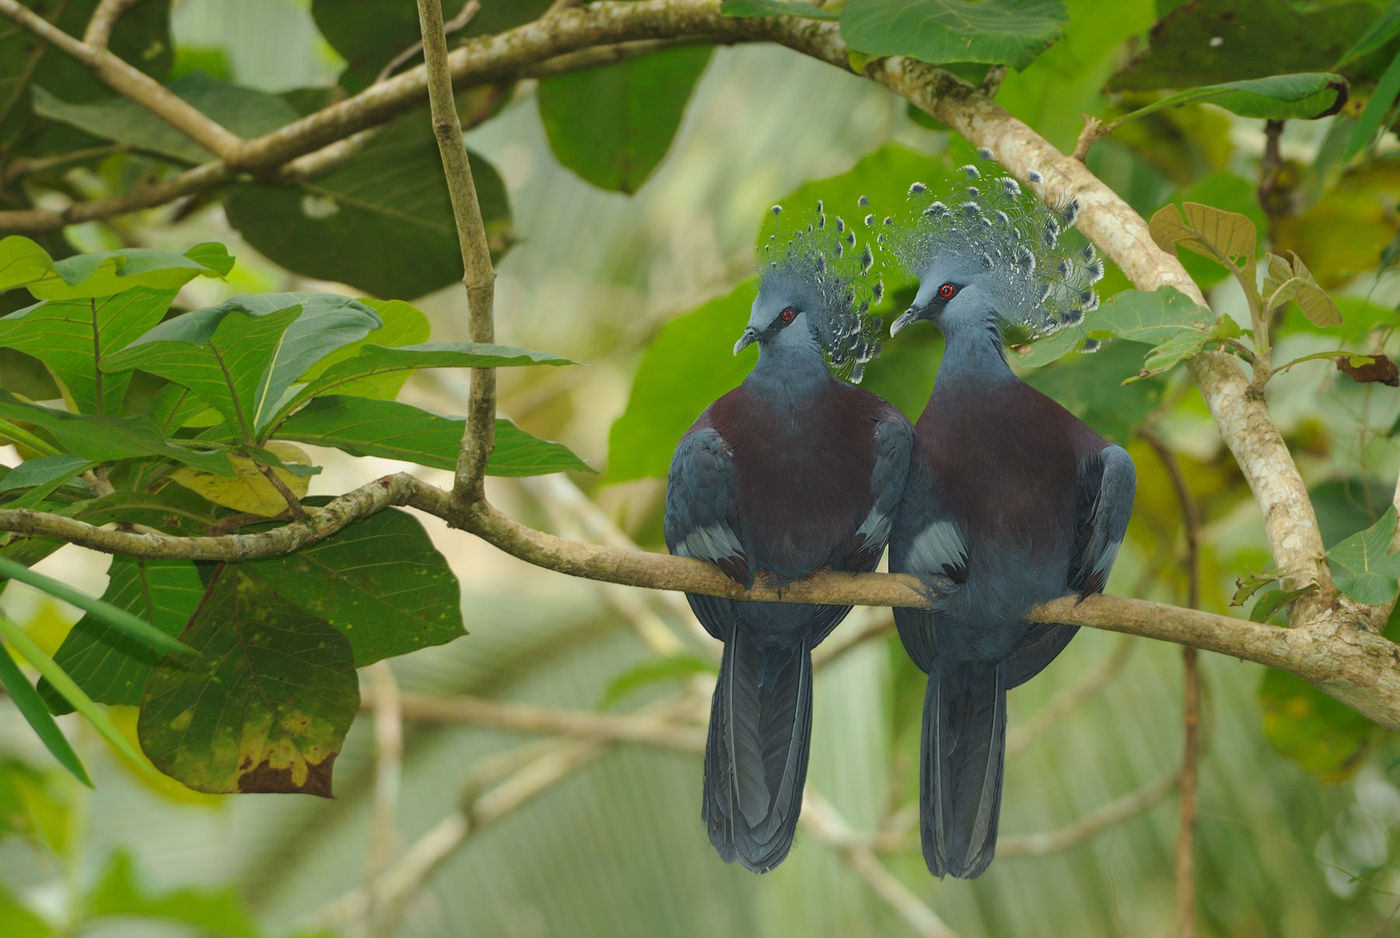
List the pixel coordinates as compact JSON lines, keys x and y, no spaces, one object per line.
{"x":381,"y":223}
{"x":613,"y":125}
{"x":1009,"y":32}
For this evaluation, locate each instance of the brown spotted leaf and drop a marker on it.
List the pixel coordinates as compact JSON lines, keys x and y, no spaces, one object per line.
{"x":266,"y":706}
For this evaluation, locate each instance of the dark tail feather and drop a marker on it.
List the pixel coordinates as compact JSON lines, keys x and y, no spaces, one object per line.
{"x":756,"y":754}
{"x":964,"y":750}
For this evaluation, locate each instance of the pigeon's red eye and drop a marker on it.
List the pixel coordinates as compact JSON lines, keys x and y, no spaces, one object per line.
{"x":787,"y":314}
{"x":947,"y":290}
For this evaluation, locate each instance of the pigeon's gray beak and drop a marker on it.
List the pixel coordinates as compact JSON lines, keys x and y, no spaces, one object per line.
{"x":910,"y":314}
{"x":749,"y":336}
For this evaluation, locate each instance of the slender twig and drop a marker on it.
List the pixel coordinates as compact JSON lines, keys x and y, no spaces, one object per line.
{"x":469,"y":10}
{"x":822,"y":821}
{"x":294,"y":504}
{"x":528,"y":718}
{"x":388,"y":772}
{"x":1191,"y":708}
{"x":131,"y":83}
{"x":1271,"y":199}
{"x":478,"y":276}
{"x":1110,"y":815}
{"x":104,"y":18}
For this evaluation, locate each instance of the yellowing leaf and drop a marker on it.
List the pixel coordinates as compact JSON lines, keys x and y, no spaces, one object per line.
{"x":1207,"y":230}
{"x":249,"y":489}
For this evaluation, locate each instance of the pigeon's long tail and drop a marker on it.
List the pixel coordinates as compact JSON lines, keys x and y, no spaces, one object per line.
{"x":756,"y":753}
{"x":964,"y":750}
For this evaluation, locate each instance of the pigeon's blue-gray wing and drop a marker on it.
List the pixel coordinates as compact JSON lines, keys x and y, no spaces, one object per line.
{"x":930,"y":543}
{"x":894,"y":438}
{"x":1107,"y":483}
{"x":701,"y":519}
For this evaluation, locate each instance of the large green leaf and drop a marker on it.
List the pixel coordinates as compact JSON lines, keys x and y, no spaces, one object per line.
{"x":20,"y":921}
{"x":368,"y":427}
{"x":687,"y":366}
{"x":110,"y":667}
{"x":242,"y":355}
{"x":404,"y":324}
{"x":997,"y":32}
{"x":375,"y":363}
{"x":1166,"y":319}
{"x":1228,"y":40}
{"x":1325,"y":737}
{"x":1090,"y":386}
{"x":244,"y":111}
{"x":106,"y":438}
{"x":369,"y":35}
{"x":1378,"y":108}
{"x":382,"y":222}
{"x":613,"y":125}
{"x":265,"y":707}
{"x":380,"y":582}
{"x":23,"y":263}
{"x":1373,"y":570}
{"x":1304,"y":95}
{"x":40,"y":476}
{"x":72,"y":336}
{"x":141,"y":38}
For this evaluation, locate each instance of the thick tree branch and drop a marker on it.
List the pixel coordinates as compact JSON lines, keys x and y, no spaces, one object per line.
{"x":478,"y":276}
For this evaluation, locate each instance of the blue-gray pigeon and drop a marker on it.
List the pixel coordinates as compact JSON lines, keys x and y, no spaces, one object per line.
{"x":1011,"y":500}
{"x":792,"y":472}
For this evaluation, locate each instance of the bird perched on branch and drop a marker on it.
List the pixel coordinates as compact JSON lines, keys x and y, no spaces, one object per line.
{"x":1011,"y":501}
{"x":791,"y":473}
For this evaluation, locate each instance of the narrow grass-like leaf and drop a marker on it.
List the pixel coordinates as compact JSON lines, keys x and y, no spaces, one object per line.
{"x":119,"y":619}
{"x":64,"y":685}
{"x":32,"y":708}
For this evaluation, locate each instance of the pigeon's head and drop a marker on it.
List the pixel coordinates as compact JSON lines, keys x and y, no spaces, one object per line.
{"x":816,"y":284}
{"x":988,"y":253}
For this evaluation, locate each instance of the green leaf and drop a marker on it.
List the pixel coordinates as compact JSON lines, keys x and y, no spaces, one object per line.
{"x":1325,"y":737}
{"x":1208,"y":231}
{"x":369,"y":35}
{"x":775,"y":8}
{"x":1301,"y":96}
{"x":1271,"y":602}
{"x":41,"y":476}
{"x":613,"y":125}
{"x":113,"y":617}
{"x":1167,"y":319}
{"x":403,"y":325}
{"x":1373,"y":576}
{"x":106,"y":439}
{"x":118,"y":893}
{"x":998,"y":32}
{"x":380,"y":582}
{"x":1229,"y":40}
{"x":243,"y":355}
{"x":374,"y":361}
{"x":366,"y":427}
{"x":265,"y":707}
{"x":1290,"y":279}
{"x":27,"y":702}
{"x":72,"y":336}
{"x":25,"y":264}
{"x":654,"y":671}
{"x":1089,"y":386}
{"x":141,"y":38}
{"x":110,"y":667}
{"x":683,"y":370}
{"x":382,"y":222}
{"x":1383,"y":29}
{"x":36,"y":805}
{"x":19,"y":921}
{"x":1379,"y":109}
{"x":55,"y":675}
{"x":245,"y":111}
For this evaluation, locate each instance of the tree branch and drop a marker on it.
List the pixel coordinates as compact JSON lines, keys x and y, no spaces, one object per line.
{"x":104,"y":19}
{"x":130,"y":82}
{"x":477,"y":274}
